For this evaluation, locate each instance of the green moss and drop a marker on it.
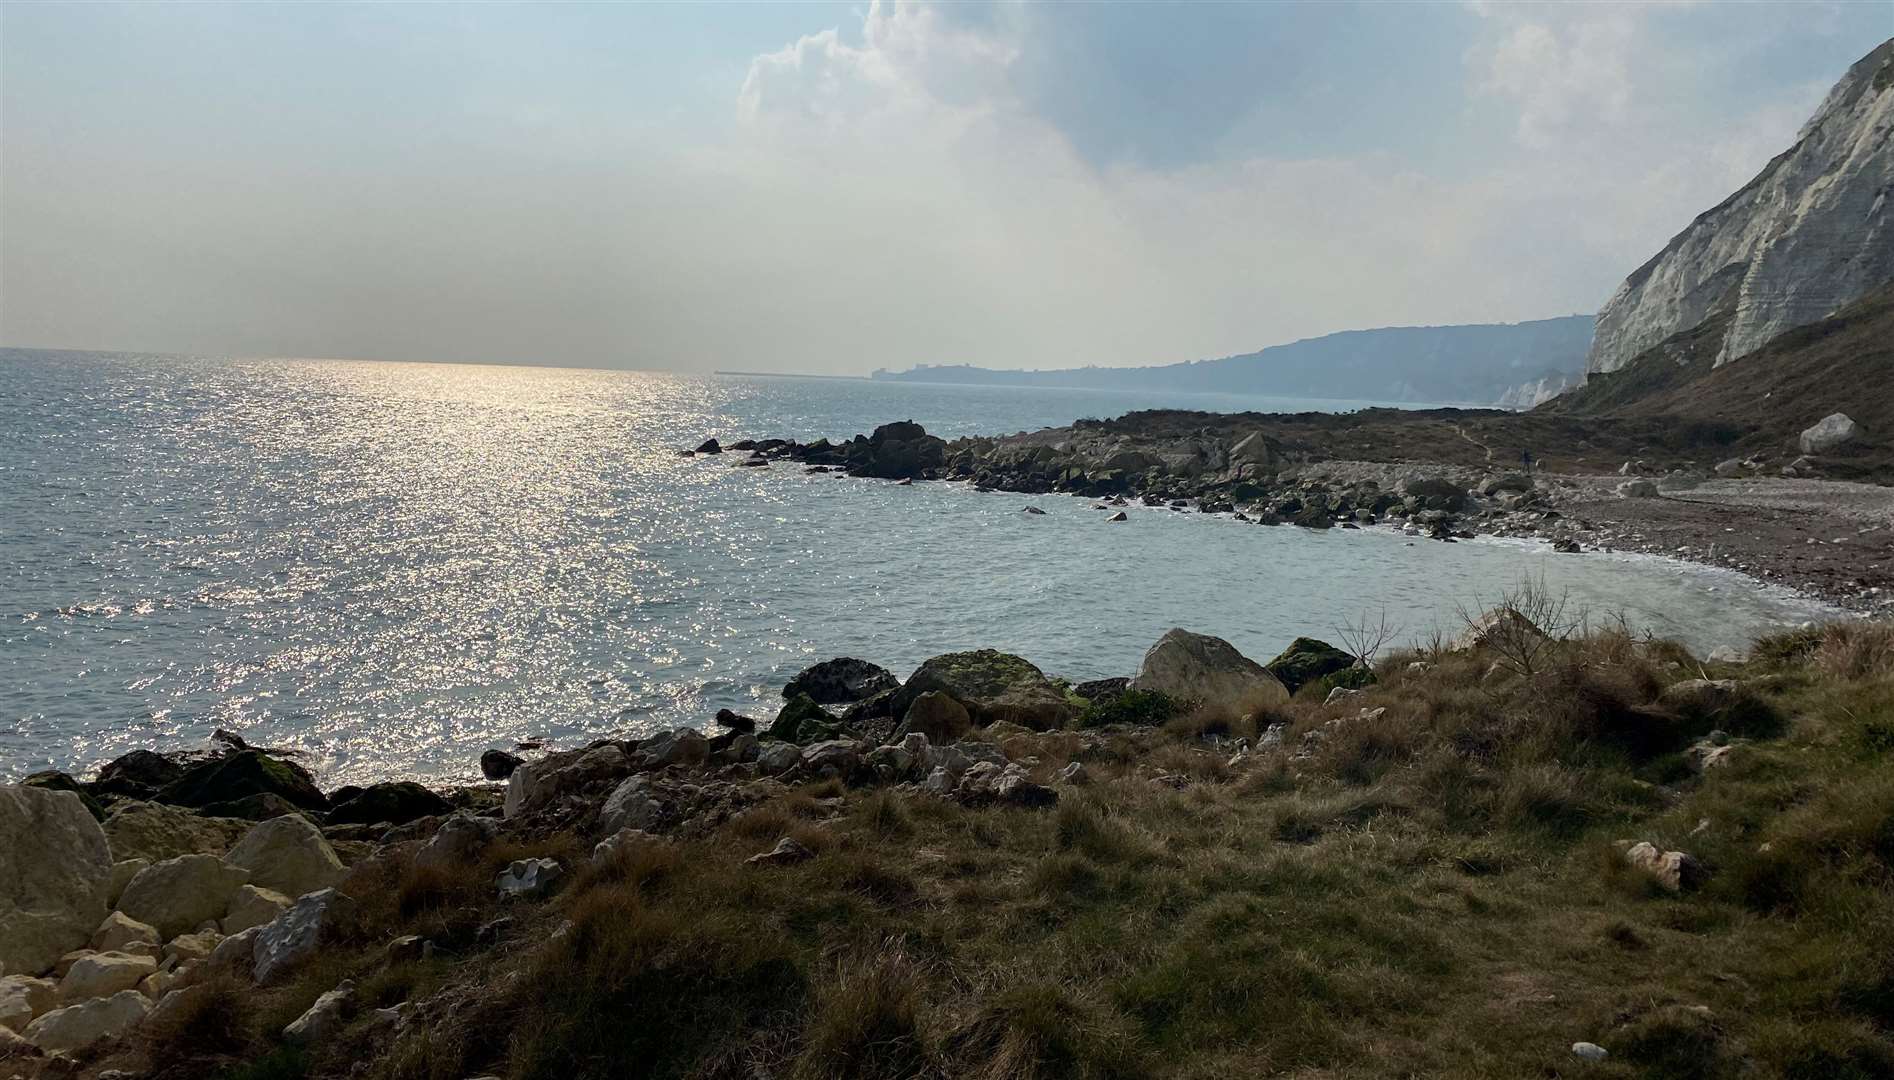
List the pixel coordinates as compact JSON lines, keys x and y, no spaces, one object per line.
{"x":1143,"y":708}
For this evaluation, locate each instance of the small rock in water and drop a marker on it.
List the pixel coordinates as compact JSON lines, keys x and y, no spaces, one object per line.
{"x":1033,"y":510}
{"x":1119,"y":516}
{"x":498,"y":764}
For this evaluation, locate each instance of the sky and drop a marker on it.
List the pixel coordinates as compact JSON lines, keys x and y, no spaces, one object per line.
{"x":834,"y":188}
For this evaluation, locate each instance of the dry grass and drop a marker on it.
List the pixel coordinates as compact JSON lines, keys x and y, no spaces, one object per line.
{"x":1434,"y":891}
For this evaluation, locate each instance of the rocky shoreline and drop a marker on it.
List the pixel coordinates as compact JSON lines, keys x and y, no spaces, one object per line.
{"x":1835,"y":541}
{"x":139,"y":888}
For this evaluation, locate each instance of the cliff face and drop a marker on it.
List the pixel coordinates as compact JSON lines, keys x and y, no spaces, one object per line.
{"x":1809,"y":234}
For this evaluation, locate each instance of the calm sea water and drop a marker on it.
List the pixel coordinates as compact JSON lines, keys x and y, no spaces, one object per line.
{"x":395,"y":566}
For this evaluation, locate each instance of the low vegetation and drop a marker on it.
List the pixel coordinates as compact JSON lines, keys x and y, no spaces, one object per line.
{"x":1424,"y":880}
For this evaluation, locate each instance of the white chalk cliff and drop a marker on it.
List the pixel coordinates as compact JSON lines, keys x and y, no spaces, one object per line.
{"x":1808,"y":235}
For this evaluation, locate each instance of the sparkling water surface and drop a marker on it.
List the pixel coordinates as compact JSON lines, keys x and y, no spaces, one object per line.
{"x":396,"y":566}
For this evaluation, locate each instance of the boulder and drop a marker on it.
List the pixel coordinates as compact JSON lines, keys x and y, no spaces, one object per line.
{"x":323,"y":1019}
{"x":529,"y":879}
{"x":1256,"y":448}
{"x":287,"y":855}
{"x":57,"y":871}
{"x":840,"y":681}
{"x":684,"y":746}
{"x":120,"y":929}
{"x":241,"y":774}
{"x":538,"y":784}
{"x":937,"y":716}
{"x":630,"y":806}
{"x":734,"y":721}
{"x":460,"y":840}
{"x":1637,"y":489}
{"x":190,"y":948}
{"x":253,"y":906}
{"x":802,"y":720}
{"x":992,"y":686}
{"x":23,"y":997}
{"x":123,"y":872}
{"x":1103,"y":691}
{"x":54,"y":780}
{"x":234,"y":955}
{"x":77,"y":1027}
{"x":178,"y":895}
{"x":103,"y":974}
{"x":396,"y":803}
{"x":1501,"y":623}
{"x":1307,"y":660}
{"x":138,"y":774}
{"x":1827,"y":433}
{"x":154,"y":831}
{"x":709,"y":446}
{"x":836,"y":757}
{"x":1207,"y":670}
{"x":776,"y":758}
{"x":498,"y":764}
{"x":296,"y":934}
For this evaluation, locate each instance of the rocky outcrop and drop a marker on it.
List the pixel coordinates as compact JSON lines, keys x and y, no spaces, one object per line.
{"x":1208,"y":671}
{"x":1306,"y":660}
{"x":396,"y":802}
{"x":76,"y":1027}
{"x":57,"y":869}
{"x":1809,"y":234}
{"x":841,"y":681}
{"x":178,"y":895}
{"x":154,"y":831}
{"x":287,"y":855}
{"x":993,"y":687}
{"x":235,"y":777}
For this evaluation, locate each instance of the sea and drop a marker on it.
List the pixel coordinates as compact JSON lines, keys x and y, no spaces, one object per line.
{"x":392,"y":567}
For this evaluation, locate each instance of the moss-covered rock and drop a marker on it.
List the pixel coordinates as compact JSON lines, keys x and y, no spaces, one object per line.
{"x":803,"y":721}
{"x":237,"y":776}
{"x":1306,"y":660}
{"x":396,"y":803}
{"x":54,"y":780}
{"x":993,"y":686}
{"x":1143,"y":708}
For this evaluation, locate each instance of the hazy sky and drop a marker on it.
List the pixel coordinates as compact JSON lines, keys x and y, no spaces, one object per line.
{"x":832,"y":187}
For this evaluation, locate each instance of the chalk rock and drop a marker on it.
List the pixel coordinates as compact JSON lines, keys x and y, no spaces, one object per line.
{"x":156,"y":832}
{"x":76,"y":1027}
{"x":1674,"y":870}
{"x":528,"y":879}
{"x":23,"y":997}
{"x":190,"y":948}
{"x":459,"y":840}
{"x":253,"y":906}
{"x":234,"y":955}
{"x":776,"y":758}
{"x":1207,"y":670}
{"x":102,"y":975}
{"x":123,"y":872}
{"x":1829,"y":432}
{"x":1589,"y":1051}
{"x":287,"y":855}
{"x":630,"y":806}
{"x":323,"y":1019}
{"x":937,"y":716}
{"x":787,"y":850}
{"x":1808,"y":235}
{"x":120,"y":929}
{"x":178,"y":895}
{"x":298,"y":933}
{"x":57,"y":871}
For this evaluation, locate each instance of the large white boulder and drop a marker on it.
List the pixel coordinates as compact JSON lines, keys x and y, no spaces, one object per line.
{"x":252,"y":906}
{"x":156,"y":832}
{"x":1207,"y":670}
{"x":102,"y":975}
{"x":22,"y":997}
{"x":287,"y":855}
{"x":459,"y":840}
{"x":178,"y":895}
{"x":1829,"y":432}
{"x":76,"y":1027}
{"x":57,"y":869}
{"x":119,"y":930}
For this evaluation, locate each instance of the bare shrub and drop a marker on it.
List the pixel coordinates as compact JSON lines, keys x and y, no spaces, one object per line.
{"x":1366,"y":635}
